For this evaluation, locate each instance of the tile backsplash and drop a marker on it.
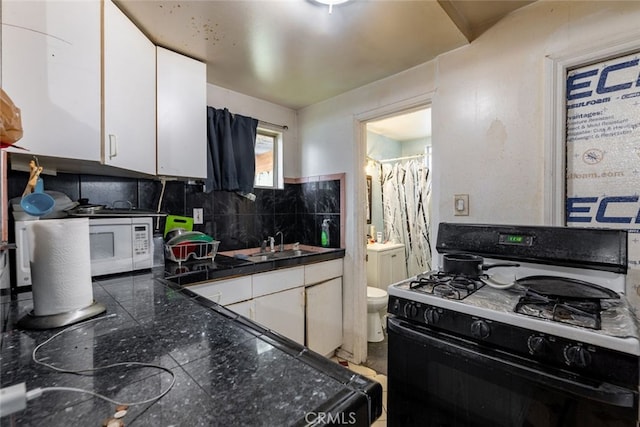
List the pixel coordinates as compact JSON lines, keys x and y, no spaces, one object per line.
{"x":298,"y":210}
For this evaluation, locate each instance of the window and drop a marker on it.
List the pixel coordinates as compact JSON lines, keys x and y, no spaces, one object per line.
{"x":591,"y":143}
{"x":603,"y":128}
{"x":268,"y":151}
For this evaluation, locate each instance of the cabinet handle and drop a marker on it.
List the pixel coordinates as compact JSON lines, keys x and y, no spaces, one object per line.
{"x":113,"y":146}
{"x":393,"y":256}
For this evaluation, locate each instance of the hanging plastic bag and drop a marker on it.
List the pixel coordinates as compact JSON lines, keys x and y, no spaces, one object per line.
{"x":10,"y":122}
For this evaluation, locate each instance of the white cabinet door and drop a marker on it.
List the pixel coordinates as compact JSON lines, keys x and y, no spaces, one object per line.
{"x":324,"y":316}
{"x":282,"y":312}
{"x":51,"y":71}
{"x":398,"y":265}
{"x":385,"y":265}
{"x":182,"y":115}
{"x":129,"y":62}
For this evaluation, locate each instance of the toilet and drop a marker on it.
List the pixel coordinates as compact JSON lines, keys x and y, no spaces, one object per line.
{"x":377,"y":300}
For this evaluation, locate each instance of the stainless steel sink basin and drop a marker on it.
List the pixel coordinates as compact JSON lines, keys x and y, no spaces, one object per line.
{"x":291,"y":253}
{"x":268,"y":256}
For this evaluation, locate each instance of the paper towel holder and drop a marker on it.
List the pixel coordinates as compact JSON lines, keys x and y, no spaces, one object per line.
{"x":31,"y":321}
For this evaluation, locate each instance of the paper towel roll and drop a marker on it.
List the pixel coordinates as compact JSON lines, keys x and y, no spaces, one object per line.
{"x":60,"y":265}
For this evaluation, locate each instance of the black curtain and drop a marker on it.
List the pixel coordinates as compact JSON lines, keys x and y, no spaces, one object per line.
{"x":231,"y":161}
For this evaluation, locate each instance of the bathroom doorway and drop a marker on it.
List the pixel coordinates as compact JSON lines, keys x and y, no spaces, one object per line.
{"x":398,"y":185}
{"x":398,"y":171}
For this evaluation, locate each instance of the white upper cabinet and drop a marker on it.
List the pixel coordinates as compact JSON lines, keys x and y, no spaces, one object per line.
{"x":84,"y":77}
{"x":129,"y":93}
{"x":51,"y":71}
{"x":182,"y":115}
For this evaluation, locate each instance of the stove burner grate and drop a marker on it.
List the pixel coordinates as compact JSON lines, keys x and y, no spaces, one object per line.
{"x":585,"y":313}
{"x":446,"y":285}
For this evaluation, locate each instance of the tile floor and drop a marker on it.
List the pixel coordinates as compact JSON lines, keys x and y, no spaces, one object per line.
{"x":382,"y":379}
{"x":375,"y":368}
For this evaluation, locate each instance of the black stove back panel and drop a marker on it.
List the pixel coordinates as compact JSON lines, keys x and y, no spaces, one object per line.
{"x":592,"y":248}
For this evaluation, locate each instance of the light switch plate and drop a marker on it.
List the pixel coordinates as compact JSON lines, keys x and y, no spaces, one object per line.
{"x":197,"y":215}
{"x":461,"y":205}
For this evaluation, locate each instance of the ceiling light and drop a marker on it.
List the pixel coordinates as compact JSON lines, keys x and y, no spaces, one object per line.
{"x":331,"y":3}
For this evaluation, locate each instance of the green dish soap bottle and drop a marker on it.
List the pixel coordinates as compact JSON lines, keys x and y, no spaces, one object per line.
{"x":324,"y":234}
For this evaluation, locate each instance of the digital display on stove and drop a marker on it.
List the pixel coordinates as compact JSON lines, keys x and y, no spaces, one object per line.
{"x":515,"y":239}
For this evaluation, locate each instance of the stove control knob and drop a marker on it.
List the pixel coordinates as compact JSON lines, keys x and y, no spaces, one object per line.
{"x":480,"y":329}
{"x":410,"y":310}
{"x":431,"y":315}
{"x":395,"y":307}
{"x":576,"y":355}
{"x":537,"y":344}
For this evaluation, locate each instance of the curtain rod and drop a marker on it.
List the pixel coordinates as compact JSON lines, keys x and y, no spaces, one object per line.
{"x":397,"y":159}
{"x":283,"y":127}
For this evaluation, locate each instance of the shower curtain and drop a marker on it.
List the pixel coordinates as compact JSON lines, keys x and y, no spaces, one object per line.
{"x":406,"y":198}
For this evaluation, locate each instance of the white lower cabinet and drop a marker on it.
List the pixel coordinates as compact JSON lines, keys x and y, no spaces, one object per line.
{"x":324,"y":316}
{"x":324,"y":306}
{"x":302,"y":303}
{"x":282,"y":312}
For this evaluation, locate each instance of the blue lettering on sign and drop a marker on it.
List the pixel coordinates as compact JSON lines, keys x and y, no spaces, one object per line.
{"x":574,"y":85}
{"x":572,"y":209}
{"x":580,"y":208}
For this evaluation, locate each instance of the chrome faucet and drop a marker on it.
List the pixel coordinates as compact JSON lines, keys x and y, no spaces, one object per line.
{"x":281,"y":247}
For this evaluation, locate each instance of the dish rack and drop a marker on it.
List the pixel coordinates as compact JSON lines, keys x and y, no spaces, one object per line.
{"x":182,"y":251}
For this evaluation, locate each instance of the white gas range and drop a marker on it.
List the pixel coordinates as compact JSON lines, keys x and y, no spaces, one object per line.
{"x":547,"y":305}
{"x":617,"y":329}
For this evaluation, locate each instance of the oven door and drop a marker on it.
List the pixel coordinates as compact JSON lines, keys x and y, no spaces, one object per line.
{"x":435,"y":379}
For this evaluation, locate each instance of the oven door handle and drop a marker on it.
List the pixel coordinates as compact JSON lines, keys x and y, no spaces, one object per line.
{"x":604,"y":392}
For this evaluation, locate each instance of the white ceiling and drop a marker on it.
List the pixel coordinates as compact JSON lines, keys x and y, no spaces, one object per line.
{"x":294,"y":53}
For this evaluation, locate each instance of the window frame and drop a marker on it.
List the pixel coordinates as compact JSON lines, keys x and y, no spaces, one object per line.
{"x":278,"y":178}
{"x":555,"y":119}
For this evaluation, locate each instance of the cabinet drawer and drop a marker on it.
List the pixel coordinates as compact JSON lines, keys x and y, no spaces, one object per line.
{"x":322,"y":271}
{"x":225,"y":292}
{"x":278,"y":280}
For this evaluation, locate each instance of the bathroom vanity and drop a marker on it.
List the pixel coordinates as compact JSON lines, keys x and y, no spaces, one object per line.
{"x":386,"y":264}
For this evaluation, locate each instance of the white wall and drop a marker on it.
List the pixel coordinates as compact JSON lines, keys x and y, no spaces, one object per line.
{"x":328,"y":135}
{"x":488,"y":124}
{"x":245,"y":105}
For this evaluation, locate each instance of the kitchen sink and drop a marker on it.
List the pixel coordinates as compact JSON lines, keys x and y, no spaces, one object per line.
{"x":268,"y":256}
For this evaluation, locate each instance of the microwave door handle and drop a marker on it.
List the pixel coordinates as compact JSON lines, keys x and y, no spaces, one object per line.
{"x":606,"y":393}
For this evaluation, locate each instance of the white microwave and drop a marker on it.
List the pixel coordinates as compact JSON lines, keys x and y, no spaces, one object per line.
{"x":117,"y":245}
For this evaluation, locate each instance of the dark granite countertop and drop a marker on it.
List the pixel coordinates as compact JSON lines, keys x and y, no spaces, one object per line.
{"x":229,"y":371}
{"x":223,"y":266}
